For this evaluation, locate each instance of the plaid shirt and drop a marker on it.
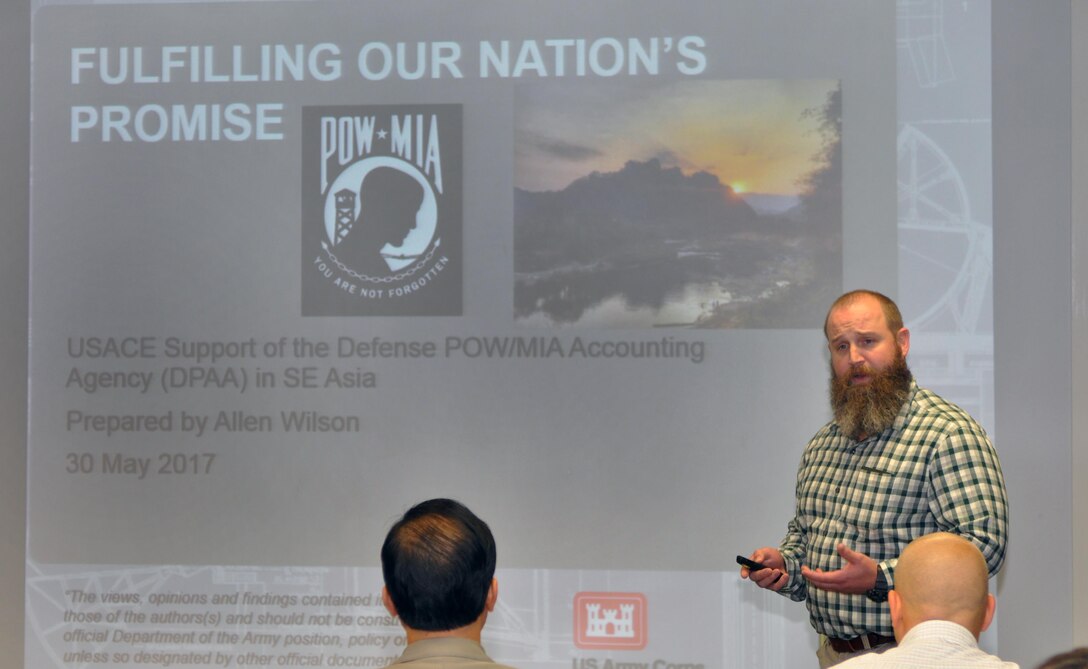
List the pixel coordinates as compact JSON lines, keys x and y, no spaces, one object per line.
{"x":933,"y":470}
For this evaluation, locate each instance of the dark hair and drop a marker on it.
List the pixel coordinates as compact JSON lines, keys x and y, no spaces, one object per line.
{"x":891,"y":312}
{"x":1074,"y":659}
{"x":438,"y":562}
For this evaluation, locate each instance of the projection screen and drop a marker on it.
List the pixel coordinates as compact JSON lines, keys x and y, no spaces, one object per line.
{"x":296,"y":266}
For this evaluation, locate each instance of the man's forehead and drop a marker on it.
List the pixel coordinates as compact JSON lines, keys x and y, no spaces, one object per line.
{"x":862,"y":314}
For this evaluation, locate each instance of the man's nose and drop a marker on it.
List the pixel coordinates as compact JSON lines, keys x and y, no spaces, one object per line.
{"x":855,"y":356}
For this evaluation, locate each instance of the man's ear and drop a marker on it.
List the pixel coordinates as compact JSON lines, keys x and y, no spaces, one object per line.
{"x":492,"y":596}
{"x":903,"y":339}
{"x":387,"y":601}
{"x":895,"y":604}
{"x":991,"y":606}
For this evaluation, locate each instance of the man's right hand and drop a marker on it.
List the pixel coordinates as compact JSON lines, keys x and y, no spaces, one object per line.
{"x":774,"y":577}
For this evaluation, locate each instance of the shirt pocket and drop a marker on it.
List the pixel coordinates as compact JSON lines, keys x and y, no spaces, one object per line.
{"x":890,"y":500}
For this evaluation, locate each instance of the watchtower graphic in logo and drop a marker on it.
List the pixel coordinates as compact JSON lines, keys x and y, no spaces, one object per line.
{"x":381,"y":210}
{"x":610,"y":620}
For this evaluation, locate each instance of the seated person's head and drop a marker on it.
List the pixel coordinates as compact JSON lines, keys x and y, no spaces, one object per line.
{"x":438,"y":562}
{"x":941,"y":576}
{"x":1074,"y":659}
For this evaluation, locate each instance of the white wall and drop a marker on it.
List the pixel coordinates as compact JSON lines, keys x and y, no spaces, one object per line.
{"x":1080,"y":320}
{"x":14,"y":181}
{"x":1032,"y":322}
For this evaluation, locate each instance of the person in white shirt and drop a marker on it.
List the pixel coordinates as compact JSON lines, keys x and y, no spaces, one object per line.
{"x":940,"y":605}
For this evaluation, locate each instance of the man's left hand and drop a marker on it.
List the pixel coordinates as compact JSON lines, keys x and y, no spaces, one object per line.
{"x":856,"y":577}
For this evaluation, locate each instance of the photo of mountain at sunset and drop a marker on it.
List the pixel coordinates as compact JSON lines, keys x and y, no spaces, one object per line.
{"x":708,"y":204}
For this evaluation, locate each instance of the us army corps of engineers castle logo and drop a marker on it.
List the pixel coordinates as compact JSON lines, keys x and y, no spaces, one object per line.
{"x":381,"y":210}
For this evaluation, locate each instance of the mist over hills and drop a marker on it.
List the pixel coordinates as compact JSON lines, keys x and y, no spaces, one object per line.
{"x":677,"y":250}
{"x":623,"y":212}
{"x":652,"y":246}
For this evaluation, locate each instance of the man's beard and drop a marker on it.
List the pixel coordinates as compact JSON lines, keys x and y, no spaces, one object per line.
{"x":869,"y":409}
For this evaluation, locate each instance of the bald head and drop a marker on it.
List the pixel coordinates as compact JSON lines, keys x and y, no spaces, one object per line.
{"x":943,"y":576}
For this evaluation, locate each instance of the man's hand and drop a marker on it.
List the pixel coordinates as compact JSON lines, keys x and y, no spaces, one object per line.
{"x":857,"y":577}
{"x":774,"y":577}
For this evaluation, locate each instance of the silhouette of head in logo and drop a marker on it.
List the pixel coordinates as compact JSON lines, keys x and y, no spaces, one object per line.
{"x":388,"y":202}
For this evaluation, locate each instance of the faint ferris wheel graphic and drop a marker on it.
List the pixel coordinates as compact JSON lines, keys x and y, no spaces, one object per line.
{"x":920,"y":34}
{"x":947,"y":254}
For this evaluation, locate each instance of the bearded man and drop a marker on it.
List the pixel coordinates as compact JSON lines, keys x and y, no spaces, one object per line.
{"x":896,"y":462}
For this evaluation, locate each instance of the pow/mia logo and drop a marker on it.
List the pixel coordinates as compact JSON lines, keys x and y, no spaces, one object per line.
{"x":381,"y":194}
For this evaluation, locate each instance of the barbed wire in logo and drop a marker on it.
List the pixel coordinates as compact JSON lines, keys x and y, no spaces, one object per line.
{"x":381,"y":279}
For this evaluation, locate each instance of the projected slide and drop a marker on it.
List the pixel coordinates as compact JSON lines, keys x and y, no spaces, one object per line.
{"x":296,"y":266}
